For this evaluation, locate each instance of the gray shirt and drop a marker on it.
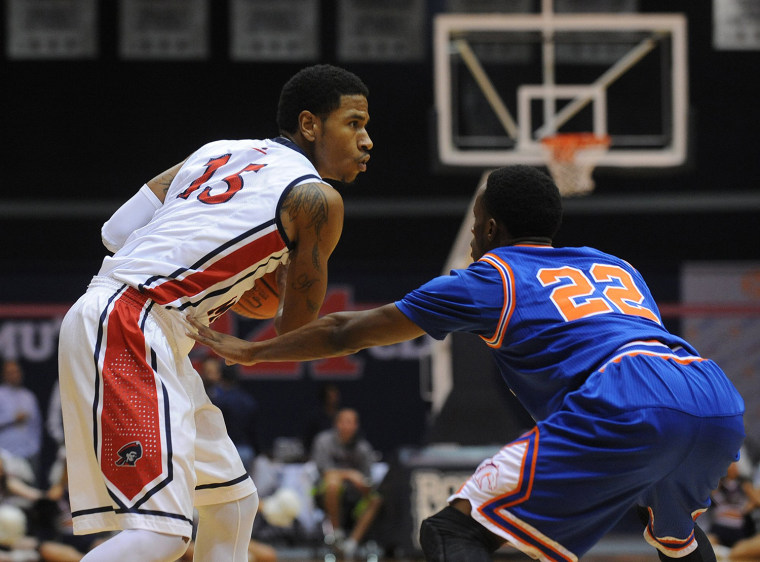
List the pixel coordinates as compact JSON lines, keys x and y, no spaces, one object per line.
{"x":328,"y":452}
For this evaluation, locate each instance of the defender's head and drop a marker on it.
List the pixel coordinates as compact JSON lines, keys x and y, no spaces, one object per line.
{"x":517,"y":202}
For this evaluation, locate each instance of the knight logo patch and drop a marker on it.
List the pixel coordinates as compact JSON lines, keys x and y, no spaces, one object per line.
{"x":129,"y":454}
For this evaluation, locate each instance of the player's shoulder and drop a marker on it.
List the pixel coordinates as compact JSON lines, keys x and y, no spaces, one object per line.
{"x":556,"y":253}
{"x":262,"y":146}
{"x":315,"y":203}
{"x":317,"y":191}
{"x":527,"y":257}
{"x":599,"y":256}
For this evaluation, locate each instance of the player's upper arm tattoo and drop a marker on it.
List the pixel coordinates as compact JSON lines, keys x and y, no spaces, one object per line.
{"x":308,"y":204}
{"x":167,"y":177}
{"x":160,"y":183}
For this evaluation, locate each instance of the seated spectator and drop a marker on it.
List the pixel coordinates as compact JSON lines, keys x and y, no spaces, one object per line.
{"x":20,"y":418}
{"x":732,"y":529}
{"x":54,"y":419}
{"x":15,"y":544}
{"x":345,"y":490}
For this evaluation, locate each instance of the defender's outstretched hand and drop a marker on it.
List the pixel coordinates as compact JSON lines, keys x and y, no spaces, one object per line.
{"x":234,"y":350}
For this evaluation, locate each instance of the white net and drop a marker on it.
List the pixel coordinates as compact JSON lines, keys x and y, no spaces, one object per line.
{"x":571,"y":159}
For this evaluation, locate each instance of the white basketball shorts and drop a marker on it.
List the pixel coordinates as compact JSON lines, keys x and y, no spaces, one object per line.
{"x":144,"y":444}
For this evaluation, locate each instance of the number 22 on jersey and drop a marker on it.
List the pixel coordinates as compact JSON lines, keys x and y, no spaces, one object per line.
{"x":605,"y":288}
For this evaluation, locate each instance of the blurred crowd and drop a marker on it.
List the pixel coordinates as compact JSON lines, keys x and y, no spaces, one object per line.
{"x":336,"y":482}
{"x":331,"y":501}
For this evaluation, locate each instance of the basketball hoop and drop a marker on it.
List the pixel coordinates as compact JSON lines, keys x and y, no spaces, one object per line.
{"x":572,"y":157}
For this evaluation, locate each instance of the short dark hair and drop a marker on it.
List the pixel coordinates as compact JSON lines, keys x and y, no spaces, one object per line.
{"x":525,"y":200}
{"x":317,"y":89}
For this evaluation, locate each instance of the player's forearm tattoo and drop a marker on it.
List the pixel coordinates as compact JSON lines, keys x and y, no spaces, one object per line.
{"x":303,"y":284}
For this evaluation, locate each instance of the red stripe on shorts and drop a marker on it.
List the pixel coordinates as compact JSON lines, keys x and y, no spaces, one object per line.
{"x":130,"y":411}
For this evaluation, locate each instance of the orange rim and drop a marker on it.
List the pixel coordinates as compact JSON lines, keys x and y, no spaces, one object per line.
{"x":564,"y":145}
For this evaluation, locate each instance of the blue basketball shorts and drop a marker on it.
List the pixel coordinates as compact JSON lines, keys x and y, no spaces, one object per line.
{"x":556,"y":490}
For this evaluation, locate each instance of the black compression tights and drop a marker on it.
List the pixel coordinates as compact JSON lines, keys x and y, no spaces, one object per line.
{"x":452,"y":536}
{"x":704,"y":552}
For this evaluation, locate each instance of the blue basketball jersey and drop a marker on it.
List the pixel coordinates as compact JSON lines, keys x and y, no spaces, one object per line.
{"x":552,"y":316}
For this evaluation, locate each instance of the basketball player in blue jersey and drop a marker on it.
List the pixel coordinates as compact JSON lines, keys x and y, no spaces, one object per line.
{"x":144,"y":444}
{"x":627,"y":414}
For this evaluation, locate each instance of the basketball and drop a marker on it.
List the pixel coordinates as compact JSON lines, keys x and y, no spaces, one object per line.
{"x":12,"y":524}
{"x":282,"y":507}
{"x":262,"y":300}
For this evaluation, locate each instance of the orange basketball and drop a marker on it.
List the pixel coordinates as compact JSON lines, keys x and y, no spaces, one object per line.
{"x":262,"y":300}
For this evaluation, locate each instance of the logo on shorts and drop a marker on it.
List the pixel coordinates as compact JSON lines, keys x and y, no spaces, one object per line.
{"x":487,"y":475}
{"x":129,"y":454}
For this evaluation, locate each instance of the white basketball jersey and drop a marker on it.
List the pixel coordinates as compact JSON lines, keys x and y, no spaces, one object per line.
{"x":218,"y":229}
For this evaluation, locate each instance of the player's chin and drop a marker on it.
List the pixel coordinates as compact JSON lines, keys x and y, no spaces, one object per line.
{"x":351,"y":177}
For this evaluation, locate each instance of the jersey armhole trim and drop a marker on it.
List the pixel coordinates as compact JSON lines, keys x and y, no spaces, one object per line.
{"x":508,"y":285}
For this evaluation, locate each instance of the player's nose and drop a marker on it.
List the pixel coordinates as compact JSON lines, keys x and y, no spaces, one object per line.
{"x":365,"y":142}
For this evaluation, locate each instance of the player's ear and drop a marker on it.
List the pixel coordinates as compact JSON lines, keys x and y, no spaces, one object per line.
{"x":492,"y":229}
{"x":308,"y":125}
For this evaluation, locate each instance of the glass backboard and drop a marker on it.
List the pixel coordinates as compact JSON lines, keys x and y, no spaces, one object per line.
{"x":505,"y":81}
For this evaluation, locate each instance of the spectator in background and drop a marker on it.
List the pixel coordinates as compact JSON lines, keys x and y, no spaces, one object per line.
{"x":20,"y":418}
{"x":15,"y":491}
{"x":54,"y":419}
{"x":323,"y":417}
{"x":732,"y":530}
{"x":17,"y":500}
{"x":239,"y":408}
{"x":211,"y":373}
{"x":345,"y":490}
{"x":54,"y":427}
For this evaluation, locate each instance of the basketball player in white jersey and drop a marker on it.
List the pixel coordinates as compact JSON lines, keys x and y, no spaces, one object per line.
{"x":144,"y":444}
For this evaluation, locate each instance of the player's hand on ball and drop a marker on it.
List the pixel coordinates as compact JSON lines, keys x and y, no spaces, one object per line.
{"x":234,"y":350}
